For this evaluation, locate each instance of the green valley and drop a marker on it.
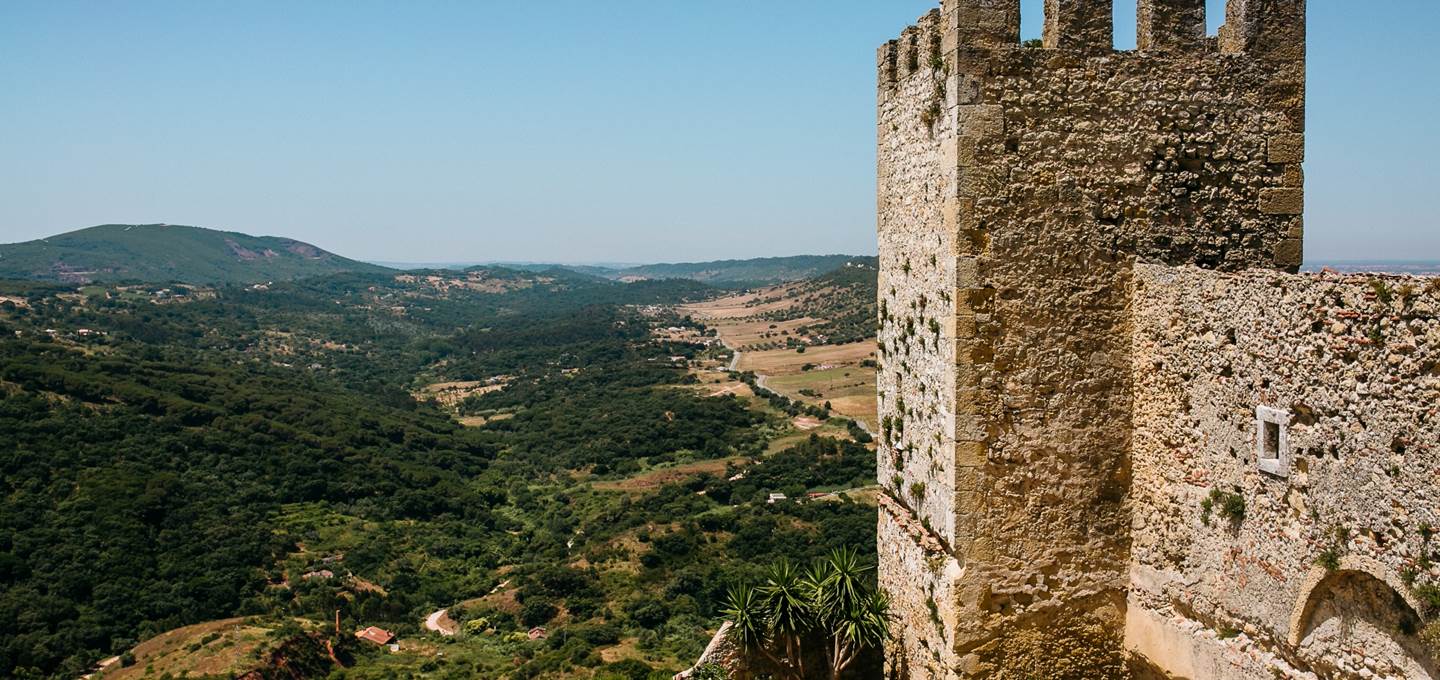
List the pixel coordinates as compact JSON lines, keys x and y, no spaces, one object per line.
{"x":239,"y":465}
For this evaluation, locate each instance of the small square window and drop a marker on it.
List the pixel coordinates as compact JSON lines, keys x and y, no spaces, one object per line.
{"x":1272,"y":440}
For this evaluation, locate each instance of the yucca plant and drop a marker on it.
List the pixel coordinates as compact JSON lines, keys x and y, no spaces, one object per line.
{"x":829,"y":602}
{"x":747,"y":618}
{"x":853,"y":617}
{"x":788,"y":596}
{"x":745,"y":607}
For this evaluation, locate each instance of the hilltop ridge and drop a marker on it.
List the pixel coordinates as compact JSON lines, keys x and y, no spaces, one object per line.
{"x":163,"y":253}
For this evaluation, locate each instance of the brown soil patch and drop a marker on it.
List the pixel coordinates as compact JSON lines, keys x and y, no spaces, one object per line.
{"x":627,"y":649}
{"x":789,"y":361}
{"x":450,"y":394}
{"x":181,"y":651}
{"x":655,"y":479}
{"x":806,"y":423}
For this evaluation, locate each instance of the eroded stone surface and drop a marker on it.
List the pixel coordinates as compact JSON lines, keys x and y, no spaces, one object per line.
{"x":1353,"y":360}
{"x":1018,"y":187}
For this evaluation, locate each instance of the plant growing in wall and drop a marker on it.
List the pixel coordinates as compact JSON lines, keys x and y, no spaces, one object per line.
{"x":1430,"y":637}
{"x":1429,"y":596}
{"x":1231,"y":506}
{"x":1329,"y":558}
{"x":1382,"y":291}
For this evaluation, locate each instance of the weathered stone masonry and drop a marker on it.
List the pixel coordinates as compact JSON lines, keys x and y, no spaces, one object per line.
{"x":1019,"y":189}
{"x":1353,"y":363}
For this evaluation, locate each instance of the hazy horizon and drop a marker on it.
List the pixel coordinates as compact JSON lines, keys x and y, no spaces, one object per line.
{"x":574,"y":132}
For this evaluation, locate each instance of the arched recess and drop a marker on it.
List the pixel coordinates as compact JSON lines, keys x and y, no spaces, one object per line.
{"x":1360,"y":612}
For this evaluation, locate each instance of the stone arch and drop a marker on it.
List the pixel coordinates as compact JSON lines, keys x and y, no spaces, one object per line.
{"x":1360,"y":612}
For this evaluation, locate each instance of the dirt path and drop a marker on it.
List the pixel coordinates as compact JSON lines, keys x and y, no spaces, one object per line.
{"x":439,"y":622}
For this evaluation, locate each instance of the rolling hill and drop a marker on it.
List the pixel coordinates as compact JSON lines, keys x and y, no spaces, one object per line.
{"x":742,"y":273}
{"x":164,"y":253}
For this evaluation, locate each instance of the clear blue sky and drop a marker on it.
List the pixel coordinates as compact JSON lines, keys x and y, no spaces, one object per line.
{"x":576,"y":130}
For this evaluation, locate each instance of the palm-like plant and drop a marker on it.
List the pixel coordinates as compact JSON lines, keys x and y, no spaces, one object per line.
{"x":750,"y":618}
{"x":830,"y":600}
{"x":747,"y":617}
{"x":788,"y":594}
{"x":853,"y":617}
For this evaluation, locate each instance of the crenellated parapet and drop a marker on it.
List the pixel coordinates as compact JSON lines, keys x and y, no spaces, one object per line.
{"x":1079,"y":25}
{"x":1172,"y":26}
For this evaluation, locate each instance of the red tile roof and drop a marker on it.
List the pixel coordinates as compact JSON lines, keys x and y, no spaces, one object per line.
{"x":378,"y":636}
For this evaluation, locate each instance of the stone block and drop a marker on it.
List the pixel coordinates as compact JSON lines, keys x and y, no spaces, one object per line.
{"x":1290,"y":253}
{"x":1294,"y":176}
{"x":1282,"y":201}
{"x":982,"y":121}
{"x":1287,"y":148}
{"x":970,"y":454}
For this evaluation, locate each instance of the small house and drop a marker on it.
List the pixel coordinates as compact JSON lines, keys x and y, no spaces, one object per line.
{"x":537,"y":633}
{"x":376,"y":635}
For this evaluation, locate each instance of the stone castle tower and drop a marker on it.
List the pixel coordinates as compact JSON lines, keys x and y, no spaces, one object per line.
{"x":1020,"y":189}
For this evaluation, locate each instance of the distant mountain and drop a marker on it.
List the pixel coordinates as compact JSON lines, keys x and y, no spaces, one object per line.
{"x":741,"y":273}
{"x":163,"y":253}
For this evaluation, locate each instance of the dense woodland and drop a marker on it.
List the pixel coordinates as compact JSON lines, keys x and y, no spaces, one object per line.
{"x":178,"y":457}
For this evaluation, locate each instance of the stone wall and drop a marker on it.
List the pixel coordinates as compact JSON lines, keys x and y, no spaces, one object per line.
{"x":919,"y":575}
{"x":1017,"y":189}
{"x":1352,"y":366}
{"x":916,"y":377}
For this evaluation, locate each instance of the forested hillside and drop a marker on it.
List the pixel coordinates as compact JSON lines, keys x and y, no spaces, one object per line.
{"x":162,"y":253}
{"x":760,"y":271}
{"x":183,"y":454}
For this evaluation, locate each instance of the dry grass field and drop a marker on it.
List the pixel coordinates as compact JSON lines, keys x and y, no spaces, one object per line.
{"x":745,"y":305}
{"x":215,"y":648}
{"x":779,"y":361}
{"x":450,"y":394}
{"x":658,"y":477}
{"x":836,"y":375}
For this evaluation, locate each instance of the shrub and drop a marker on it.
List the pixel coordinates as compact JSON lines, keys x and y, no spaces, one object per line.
{"x":537,"y":612}
{"x":648,"y":612}
{"x":628,"y":669}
